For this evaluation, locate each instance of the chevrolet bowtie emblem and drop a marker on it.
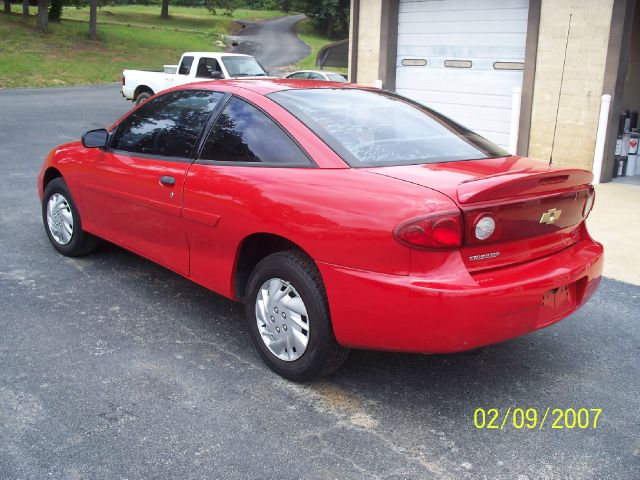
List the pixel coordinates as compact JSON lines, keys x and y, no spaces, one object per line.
{"x":550,"y":216}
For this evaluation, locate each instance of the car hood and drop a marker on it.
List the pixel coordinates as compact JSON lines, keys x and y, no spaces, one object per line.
{"x":473,"y":181}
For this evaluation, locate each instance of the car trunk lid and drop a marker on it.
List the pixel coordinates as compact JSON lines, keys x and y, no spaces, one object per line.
{"x":537,"y":209}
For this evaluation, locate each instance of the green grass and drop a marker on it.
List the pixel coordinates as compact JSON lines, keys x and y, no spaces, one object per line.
{"x":128,"y":37}
{"x":316,"y":41}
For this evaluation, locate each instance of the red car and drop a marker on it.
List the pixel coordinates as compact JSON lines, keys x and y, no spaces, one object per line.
{"x":342,"y":217}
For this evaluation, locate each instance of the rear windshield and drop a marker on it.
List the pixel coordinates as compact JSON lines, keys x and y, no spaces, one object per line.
{"x":242,"y":66}
{"x":376,"y":128}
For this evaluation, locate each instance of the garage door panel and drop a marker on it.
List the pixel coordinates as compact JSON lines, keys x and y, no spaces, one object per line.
{"x":483,"y":82}
{"x":466,"y":39}
{"x":471,"y":26}
{"x":460,"y":5}
{"x":485,"y":118}
{"x":502,"y":102}
{"x":454,"y":15}
{"x":482,"y":31}
{"x":437,"y":54}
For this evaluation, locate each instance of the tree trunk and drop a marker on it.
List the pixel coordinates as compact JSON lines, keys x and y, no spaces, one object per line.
{"x":93,"y":19}
{"x":42,"y":21}
{"x":330,"y":26}
{"x":7,"y":6}
{"x":25,"y":8}
{"x":164,"y":13}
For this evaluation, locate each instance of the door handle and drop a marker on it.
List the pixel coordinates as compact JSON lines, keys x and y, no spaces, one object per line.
{"x":167,"y":180}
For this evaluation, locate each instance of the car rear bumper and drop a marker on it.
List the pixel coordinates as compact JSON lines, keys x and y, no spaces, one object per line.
{"x":127,"y":92}
{"x":413,"y":314}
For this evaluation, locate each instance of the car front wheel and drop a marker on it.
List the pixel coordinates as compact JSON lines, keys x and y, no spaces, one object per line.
{"x":62,"y":221}
{"x":289,"y":319}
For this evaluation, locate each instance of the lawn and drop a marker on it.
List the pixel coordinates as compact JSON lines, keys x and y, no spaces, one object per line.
{"x":128,"y":37}
{"x":316,"y":42}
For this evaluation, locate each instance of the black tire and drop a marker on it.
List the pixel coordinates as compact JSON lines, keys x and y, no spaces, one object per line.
{"x":143,"y":97}
{"x":323,"y":355}
{"x":81,"y":242}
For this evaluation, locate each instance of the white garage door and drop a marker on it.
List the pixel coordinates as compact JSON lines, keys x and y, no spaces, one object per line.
{"x":463,"y":58}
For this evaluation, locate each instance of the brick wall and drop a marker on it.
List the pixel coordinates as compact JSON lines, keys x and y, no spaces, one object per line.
{"x":579,"y":103}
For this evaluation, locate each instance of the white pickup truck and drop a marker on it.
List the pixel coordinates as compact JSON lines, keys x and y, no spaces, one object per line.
{"x":138,"y":85}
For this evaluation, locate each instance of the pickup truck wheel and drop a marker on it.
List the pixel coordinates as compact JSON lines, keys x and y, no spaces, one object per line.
{"x":288,"y":315}
{"x":62,"y":221}
{"x":143,"y":97}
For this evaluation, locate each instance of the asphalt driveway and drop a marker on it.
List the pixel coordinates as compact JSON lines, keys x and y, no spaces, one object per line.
{"x":273,"y":42}
{"x":113,"y":368}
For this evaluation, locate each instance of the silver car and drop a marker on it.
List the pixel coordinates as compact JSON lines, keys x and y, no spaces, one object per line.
{"x":318,"y":75}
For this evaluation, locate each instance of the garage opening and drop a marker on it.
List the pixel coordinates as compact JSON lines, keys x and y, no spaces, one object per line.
{"x":626,"y":166}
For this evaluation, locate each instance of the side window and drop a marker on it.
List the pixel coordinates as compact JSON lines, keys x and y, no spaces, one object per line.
{"x":185,"y":66}
{"x":300,"y":76}
{"x":207,"y":67}
{"x":242,"y":133}
{"x":316,"y":76}
{"x":168,"y":125}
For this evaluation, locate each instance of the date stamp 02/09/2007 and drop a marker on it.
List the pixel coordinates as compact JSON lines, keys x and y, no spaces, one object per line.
{"x":536,"y":419}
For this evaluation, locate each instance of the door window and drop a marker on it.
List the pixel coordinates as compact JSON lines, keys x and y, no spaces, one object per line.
{"x":207,"y":67}
{"x":300,"y":76}
{"x":316,"y":76}
{"x":242,"y":133}
{"x":185,"y":65}
{"x":168,"y":125}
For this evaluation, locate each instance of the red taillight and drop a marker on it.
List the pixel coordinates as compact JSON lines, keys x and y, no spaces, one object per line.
{"x":123,"y":80}
{"x":441,"y":231}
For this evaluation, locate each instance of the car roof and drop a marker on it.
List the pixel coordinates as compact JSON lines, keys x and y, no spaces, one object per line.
{"x":265,"y":86}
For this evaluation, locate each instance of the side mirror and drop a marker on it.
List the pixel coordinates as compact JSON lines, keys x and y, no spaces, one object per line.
{"x":95,"y":138}
{"x":216,"y":75}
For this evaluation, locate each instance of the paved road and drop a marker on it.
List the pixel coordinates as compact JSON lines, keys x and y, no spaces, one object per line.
{"x":273,"y":42}
{"x":114,"y":368}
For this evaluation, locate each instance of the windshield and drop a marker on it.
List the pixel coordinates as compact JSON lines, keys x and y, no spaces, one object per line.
{"x":336,"y":77}
{"x":376,"y":128}
{"x":243,"y":67}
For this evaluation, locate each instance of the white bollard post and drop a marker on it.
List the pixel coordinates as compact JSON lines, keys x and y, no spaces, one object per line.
{"x":601,"y":136}
{"x":515,"y":120}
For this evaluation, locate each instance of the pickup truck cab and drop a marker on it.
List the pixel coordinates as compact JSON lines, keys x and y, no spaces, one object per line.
{"x":139,"y":85}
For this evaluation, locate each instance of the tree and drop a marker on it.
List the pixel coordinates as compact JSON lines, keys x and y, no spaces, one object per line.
{"x":7,"y":6}
{"x":284,"y":5}
{"x":42,"y":21}
{"x":55,"y":10}
{"x":228,"y":6}
{"x":93,"y":19}
{"x":25,"y":8}
{"x":164,"y":13}
{"x":329,"y":17}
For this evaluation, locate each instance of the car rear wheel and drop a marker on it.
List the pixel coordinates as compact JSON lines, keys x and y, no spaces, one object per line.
{"x":143,"y":97}
{"x":288,"y":315}
{"x":62,"y":221}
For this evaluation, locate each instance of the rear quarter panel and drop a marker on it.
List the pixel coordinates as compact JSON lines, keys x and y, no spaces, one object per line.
{"x":338,"y":216}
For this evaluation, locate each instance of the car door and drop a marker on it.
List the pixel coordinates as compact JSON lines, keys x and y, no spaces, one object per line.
{"x":132,"y":191}
{"x":183,"y":75}
{"x":223,"y":192}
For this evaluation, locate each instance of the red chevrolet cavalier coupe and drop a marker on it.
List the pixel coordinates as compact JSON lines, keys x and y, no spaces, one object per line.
{"x":342,"y":217}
